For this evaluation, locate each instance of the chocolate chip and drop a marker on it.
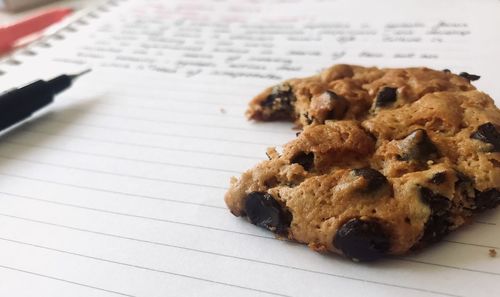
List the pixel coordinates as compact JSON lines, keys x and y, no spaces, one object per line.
{"x":327,"y":106}
{"x":487,"y":199}
{"x":386,"y":96}
{"x":446,"y":70}
{"x":469,"y":77}
{"x":438,"y":223}
{"x":264,"y":211}
{"x":489,"y":134}
{"x":438,"y":203}
{"x":306,"y":160}
{"x":438,"y":178}
{"x":417,"y":146}
{"x":375,"y":178}
{"x":281,"y":92}
{"x":362,"y":240}
{"x":462,"y":178}
{"x":338,"y":106}
{"x":435,"y":228}
{"x":464,"y":187}
{"x":280,"y":101}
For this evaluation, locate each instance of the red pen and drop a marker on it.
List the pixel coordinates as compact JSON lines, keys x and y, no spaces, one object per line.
{"x":9,"y":35}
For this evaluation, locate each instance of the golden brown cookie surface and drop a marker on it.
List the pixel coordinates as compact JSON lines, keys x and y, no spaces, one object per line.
{"x":389,"y":160}
{"x":348,"y":92}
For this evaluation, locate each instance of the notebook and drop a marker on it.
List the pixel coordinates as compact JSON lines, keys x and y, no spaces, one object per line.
{"x":117,"y":189}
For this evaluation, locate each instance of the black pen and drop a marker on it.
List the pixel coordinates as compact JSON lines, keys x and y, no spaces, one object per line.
{"x":19,"y":104}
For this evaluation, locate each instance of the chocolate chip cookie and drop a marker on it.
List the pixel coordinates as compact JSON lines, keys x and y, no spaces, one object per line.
{"x":389,"y":160}
{"x":351,"y":92}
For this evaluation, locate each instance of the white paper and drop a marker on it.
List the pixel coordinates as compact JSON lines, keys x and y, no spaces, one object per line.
{"x":117,"y":189}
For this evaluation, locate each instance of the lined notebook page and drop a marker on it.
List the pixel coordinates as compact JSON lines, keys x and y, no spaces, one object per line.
{"x":117,"y":189}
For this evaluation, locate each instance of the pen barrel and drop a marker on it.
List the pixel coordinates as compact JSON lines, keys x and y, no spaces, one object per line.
{"x":59,"y":84}
{"x":20,"y":104}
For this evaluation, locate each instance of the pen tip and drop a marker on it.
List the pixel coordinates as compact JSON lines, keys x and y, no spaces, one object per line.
{"x":74,"y":76}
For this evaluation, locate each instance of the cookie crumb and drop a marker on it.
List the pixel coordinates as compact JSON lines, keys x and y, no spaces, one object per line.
{"x":493,"y":253}
{"x":222,"y":110}
{"x":271,"y":153}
